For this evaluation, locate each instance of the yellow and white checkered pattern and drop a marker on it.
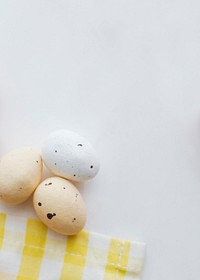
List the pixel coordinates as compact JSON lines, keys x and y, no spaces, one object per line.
{"x":30,"y":251}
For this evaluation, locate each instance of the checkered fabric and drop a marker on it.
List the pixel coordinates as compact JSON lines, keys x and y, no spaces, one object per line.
{"x":30,"y":251}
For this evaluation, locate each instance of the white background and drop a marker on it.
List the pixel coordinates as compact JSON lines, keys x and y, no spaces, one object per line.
{"x":126,"y":75}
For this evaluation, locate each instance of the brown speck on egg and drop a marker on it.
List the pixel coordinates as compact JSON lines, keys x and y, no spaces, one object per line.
{"x":50,"y":216}
{"x":37,"y":161}
{"x":91,"y":166}
{"x":48,"y":184}
{"x":81,"y":145}
{"x":39,"y":204}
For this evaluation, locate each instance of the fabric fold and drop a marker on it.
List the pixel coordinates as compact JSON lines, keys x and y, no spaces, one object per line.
{"x":29,"y":250}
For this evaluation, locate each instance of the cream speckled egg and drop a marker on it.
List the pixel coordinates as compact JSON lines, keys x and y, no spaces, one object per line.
{"x":60,"y":206}
{"x":20,"y":174}
{"x":69,"y":155}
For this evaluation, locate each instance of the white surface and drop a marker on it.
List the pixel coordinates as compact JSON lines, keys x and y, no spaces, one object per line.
{"x":124,"y":74}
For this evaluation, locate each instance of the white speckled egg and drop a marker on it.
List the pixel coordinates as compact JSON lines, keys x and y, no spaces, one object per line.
{"x":20,"y":174}
{"x":60,"y":206}
{"x":69,"y":155}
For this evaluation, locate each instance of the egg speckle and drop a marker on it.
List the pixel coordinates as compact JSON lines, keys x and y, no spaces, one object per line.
{"x":50,"y":216}
{"x":69,"y":155}
{"x":57,"y":206}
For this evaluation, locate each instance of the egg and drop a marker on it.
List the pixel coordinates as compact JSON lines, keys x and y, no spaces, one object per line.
{"x":60,"y":206}
{"x":70,"y":156}
{"x":20,"y":174}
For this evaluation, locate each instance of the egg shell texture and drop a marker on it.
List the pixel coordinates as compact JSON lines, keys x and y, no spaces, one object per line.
{"x":60,"y":206}
{"x":69,"y":155}
{"x":20,"y":174}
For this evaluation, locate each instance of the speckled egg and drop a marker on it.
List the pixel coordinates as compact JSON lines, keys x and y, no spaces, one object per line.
{"x":20,"y":174}
{"x":70,"y":156}
{"x":60,"y":206}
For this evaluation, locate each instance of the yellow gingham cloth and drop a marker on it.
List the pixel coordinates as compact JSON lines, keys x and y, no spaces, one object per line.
{"x":30,"y":251}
